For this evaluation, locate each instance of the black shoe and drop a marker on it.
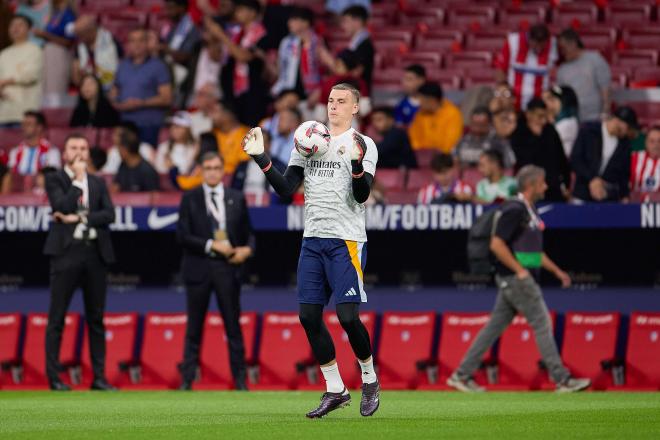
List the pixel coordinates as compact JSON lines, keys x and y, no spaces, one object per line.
{"x":240,"y":385}
{"x":186,"y":385}
{"x":58,"y":385}
{"x":370,"y":398}
{"x":330,"y":402}
{"x":102,"y":385}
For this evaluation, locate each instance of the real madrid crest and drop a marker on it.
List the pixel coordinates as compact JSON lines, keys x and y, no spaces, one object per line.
{"x":341,"y":150}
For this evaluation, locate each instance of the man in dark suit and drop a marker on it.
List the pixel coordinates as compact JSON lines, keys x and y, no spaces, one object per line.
{"x":601,"y":157}
{"x":79,"y":245}
{"x":214,"y":230}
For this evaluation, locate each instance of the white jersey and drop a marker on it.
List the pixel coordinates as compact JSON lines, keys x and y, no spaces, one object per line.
{"x":330,"y":208}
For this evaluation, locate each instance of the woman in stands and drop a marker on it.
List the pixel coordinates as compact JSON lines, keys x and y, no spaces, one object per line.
{"x":93,"y":108}
{"x":562,"y":103}
{"x":180,"y":149}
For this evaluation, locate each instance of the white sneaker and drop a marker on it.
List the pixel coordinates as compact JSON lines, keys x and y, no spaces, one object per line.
{"x":467,"y":385}
{"x":573,"y":385}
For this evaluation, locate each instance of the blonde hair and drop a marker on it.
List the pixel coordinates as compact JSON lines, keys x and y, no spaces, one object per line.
{"x":351,"y":88}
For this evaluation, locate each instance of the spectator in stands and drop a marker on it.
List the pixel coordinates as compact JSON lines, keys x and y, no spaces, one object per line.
{"x":354,"y":24}
{"x":337,"y":6}
{"x":601,"y":157}
{"x":587,"y":72}
{"x":93,"y":108}
{"x":5,"y":179}
{"x":503,"y":98}
{"x":536,"y":142}
{"x":347,"y":70}
{"x":97,"y":53}
{"x":242,"y":78}
{"x":38,"y":11}
{"x":394,"y":150}
{"x":414,"y":76}
{"x":182,"y":37}
{"x":135,"y":174}
{"x":203,"y":72}
{"x":645,"y":165}
{"x":180,"y":149}
{"x":504,"y":124}
{"x":204,"y":101}
{"x":229,"y":133}
{"x":298,"y":64}
{"x":286,"y":99}
{"x":142,"y":91}
{"x":525,"y":62}
{"x":34,"y":152}
{"x":114,"y":158}
{"x":495,"y":186}
{"x":97,"y":159}
{"x":282,"y":142}
{"x":59,"y":39}
{"x":249,"y":178}
{"x":479,"y":138}
{"x":446,"y":186}
{"x":562,"y":106}
{"x":21,"y":70}
{"x":438,"y":124}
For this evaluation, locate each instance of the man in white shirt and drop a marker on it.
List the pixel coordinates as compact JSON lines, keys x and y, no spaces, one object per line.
{"x":601,"y":157}
{"x":21,"y":66}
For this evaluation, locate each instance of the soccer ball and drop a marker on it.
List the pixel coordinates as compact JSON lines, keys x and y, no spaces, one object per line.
{"x":311,"y":138}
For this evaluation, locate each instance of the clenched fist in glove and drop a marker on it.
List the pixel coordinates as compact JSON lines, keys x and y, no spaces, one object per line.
{"x":253,"y":142}
{"x":357,"y":154}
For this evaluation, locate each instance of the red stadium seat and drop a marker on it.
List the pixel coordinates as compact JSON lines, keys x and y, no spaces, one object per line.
{"x":166,"y":198}
{"x":96,"y":6}
{"x":486,"y":39}
{"x":646,"y":110}
{"x":471,"y":176}
{"x":575,"y":14}
{"x":620,"y":75}
{"x":215,"y":372}
{"x":419,"y":178}
{"x":635,"y":57}
{"x":628,"y":14}
{"x":642,"y":37}
{"x":643,"y":352}
{"x":448,"y":78}
{"x":474,"y":59}
{"x":120,"y":340}
{"x":162,"y":350}
{"x":647,"y":73}
{"x":464,"y":16}
{"x":430,"y":60}
{"x":58,"y":117}
{"x":428,"y":15}
{"x":403,"y":35}
{"x":518,"y":358}
{"x":33,"y":361}
{"x":439,"y":39}
{"x":284,"y":348}
{"x":479,"y":77}
{"x":132,"y":199}
{"x":522,"y":16}
{"x":457,"y":332}
{"x":391,"y":178}
{"x":400,"y":197}
{"x":589,"y":339}
{"x":10,"y":137}
{"x":10,"y":333}
{"x":406,"y":339}
{"x":120,"y":22}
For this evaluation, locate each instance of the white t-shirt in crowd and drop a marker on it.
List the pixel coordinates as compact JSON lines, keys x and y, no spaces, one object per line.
{"x":330,"y":208}
{"x":182,"y":156}
{"x":568,"y":130}
{"x":609,"y":146}
{"x":114,"y":159}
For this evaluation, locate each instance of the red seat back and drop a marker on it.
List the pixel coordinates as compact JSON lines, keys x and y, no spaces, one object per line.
{"x":519,"y":356}
{"x":419,"y":178}
{"x":10,"y":332}
{"x":590,"y":338}
{"x":391,"y":179}
{"x":162,"y":349}
{"x":120,"y":339}
{"x":643,"y":353}
{"x":34,"y":352}
{"x":349,"y":368}
{"x":457,"y":333}
{"x":214,"y":354}
{"x":406,"y":338}
{"x":283,"y":345}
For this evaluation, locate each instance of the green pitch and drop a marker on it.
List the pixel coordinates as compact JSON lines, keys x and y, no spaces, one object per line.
{"x":280,"y":415}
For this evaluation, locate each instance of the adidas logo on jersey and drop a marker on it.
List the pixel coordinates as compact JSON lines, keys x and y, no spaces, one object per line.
{"x":351,"y":292}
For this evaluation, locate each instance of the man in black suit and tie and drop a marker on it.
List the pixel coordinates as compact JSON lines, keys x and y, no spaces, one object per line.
{"x":79,"y":245}
{"x":214,"y":230}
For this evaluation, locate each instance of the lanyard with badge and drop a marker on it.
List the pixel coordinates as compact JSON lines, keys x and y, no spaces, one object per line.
{"x":217,"y":210}
{"x":535,"y":220}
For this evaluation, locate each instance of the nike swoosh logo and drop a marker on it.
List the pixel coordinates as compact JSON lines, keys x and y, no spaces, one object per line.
{"x":156,"y":222}
{"x":543,"y":209}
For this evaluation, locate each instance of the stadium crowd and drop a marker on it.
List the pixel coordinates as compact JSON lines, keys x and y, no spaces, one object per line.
{"x":156,"y":84}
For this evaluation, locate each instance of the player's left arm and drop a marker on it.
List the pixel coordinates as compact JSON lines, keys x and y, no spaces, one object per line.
{"x":363,"y":167}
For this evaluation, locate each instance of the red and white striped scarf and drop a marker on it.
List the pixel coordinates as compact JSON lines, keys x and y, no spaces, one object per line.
{"x":246,"y":38}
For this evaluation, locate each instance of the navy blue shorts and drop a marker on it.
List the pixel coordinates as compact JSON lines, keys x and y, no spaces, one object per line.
{"x":330,"y":266}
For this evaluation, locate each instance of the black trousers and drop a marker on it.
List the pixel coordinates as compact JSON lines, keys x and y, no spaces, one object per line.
{"x":223,"y":279}
{"x":80,"y":266}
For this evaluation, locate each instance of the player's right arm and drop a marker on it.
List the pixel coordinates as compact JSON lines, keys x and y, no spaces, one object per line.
{"x":284,"y":184}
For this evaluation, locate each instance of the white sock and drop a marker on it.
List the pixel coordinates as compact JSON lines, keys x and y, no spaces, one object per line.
{"x":333,"y":381}
{"x":368,"y":372}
